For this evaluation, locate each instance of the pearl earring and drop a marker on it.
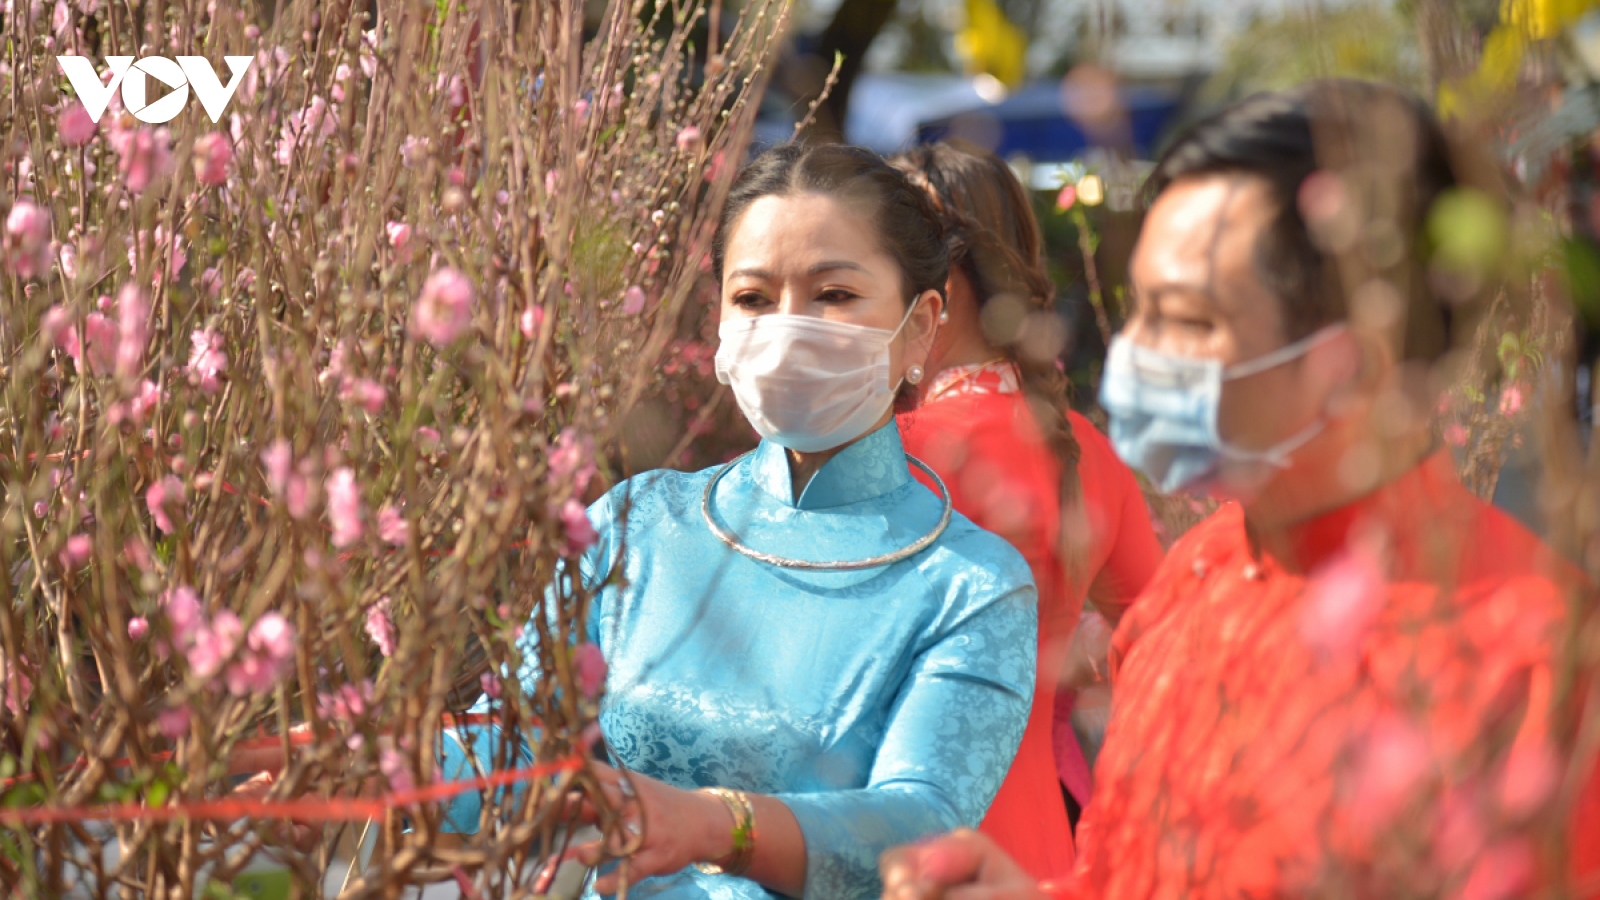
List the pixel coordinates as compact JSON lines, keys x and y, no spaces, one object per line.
{"x":944,"y":317}
{"x":914,"y":375}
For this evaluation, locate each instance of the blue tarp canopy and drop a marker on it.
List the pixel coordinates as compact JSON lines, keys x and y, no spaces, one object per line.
{"x":1033,"y":121}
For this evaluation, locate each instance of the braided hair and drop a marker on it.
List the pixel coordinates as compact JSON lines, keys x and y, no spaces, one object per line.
{"x":995,"y":241}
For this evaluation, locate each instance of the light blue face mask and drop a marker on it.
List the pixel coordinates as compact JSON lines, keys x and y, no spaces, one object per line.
{"x":1163,"y":410}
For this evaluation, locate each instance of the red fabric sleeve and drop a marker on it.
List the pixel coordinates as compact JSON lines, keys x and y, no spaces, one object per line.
{"x":1123,"y":552}
{"x":1001,"y":475}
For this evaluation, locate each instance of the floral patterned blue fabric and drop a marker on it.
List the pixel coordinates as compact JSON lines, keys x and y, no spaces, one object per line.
{"x":880,"y":705}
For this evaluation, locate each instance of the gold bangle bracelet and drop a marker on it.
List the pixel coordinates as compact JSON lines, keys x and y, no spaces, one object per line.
{"x":737,"y":862}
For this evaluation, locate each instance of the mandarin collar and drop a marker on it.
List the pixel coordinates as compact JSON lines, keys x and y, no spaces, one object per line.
{"x":872,"y":466}
{"x":1427,"y":492}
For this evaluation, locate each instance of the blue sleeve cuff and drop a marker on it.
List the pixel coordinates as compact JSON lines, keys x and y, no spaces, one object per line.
{"x":846,"y":831}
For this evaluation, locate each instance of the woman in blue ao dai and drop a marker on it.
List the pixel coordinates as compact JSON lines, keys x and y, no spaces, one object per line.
{"x":853,"y":709}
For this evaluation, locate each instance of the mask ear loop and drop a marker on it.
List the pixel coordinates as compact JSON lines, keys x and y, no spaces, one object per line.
{"x":910,"y":308}
{"x":1286,"y":353}
{"x":1278,"y":454}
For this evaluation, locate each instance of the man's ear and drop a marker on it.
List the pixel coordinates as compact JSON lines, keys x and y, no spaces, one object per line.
{"x":1354,"y":364}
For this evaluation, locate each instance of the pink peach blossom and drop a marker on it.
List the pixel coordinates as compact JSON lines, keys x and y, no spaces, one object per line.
{"x":340,"y":76}
{"x":144,"y":157}
{"x":214,"y":643}
{"x":1342,"y":598}
{"x":25,"y":243}
{"x":344,"y":506}
{"x":456,"y":92}
{"x":532,"y":321}
{"x":393,"y":527}
{"x":143,"y":402}
{"x":166,"y":248}
{"x":1389,"y":767}
{"x":272,"y":636}
{"x":268,"y":656}
{"x":345,"y":702}
{"x":138,"y":628}
{"x":137,"y":555}
{"x":572,"y":461}
{"x":399,"y":234}
{"x":207,"y":360}
{"x":277,"y":459}
{"x":338,"y":362}
{"x":688,"y":138}
{"x":1511,"y":400}
{"x":579,"y":530}
{"x":380,"y":626}
{"x":100,"y":336}
{"x":591,"y":669}
{"x":393,"y":766}
{"x":211,"y":282}
{"x":68,"y":257}
{"x":713,"y":170}
{"x":173,"y":723}
{"x":162,"y":497}
{"x":412,"y":149}
{"x":491,"y":685}
{"x":74,"y":126}
{"x":133,"y":330}
{"x":365,"y":393}
{"x":55,"y":326}
{"x":315,"y":123}
{"x":1455,"y":434}
{"x":76,"y":553}
{"x":443,"y":312}
{"x":213,"y":151}
{"x":249,"y":674}
{"x":61,"y":20}
{"x":300,"y":495}
{"x":182,"y":608}
{"x":633,"y":300}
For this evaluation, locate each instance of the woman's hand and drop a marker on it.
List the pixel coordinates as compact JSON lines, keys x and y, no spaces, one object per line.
{"x":961,"y":865}
{"x":1085,"y":664}
{"x":671,"y":828}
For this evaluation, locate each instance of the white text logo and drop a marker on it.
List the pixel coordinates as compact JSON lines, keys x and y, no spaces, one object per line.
{"x":180,"y":76}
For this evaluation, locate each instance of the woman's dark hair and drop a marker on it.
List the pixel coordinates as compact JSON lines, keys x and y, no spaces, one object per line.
{"x":1393,"y":160}
{"x":994,"y":240}
{"x":908,"y":228}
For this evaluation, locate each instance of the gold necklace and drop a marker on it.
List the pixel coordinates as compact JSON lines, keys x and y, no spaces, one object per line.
{"x":972,"y":372}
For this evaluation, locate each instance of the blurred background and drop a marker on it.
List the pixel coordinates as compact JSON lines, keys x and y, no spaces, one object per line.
{"x":1081,"y":93}
{"x":1079,"y":96}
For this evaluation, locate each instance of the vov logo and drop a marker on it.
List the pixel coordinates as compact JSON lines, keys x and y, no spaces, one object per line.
{"x":187,"y":72}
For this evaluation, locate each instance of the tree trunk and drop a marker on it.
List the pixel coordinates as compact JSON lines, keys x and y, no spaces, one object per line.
{"x":856,"y":24}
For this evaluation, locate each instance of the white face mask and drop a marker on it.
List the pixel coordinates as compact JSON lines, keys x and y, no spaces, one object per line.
{"x":807,"y":383}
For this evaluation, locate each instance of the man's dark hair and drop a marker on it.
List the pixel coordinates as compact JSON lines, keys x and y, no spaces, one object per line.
{"x":1392,"y":159}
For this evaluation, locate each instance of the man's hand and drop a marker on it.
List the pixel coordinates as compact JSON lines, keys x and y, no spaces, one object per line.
{"x":961,"y":865}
